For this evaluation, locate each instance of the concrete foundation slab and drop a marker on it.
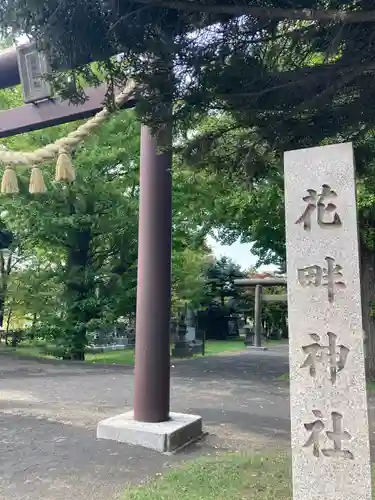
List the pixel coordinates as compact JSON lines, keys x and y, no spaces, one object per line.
{"x":257,"y":348}
{"x":165,"y":437}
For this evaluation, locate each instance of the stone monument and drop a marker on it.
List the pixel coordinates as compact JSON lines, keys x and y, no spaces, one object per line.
{"x":181,"y":347}
{"x":330,"y":440}
{"x":190,"y":325}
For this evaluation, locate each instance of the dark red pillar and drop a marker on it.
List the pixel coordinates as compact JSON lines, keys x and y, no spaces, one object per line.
{"x":9,"y":74}
{"x":152,"y":363}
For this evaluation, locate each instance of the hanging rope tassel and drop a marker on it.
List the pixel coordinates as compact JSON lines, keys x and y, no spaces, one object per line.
{"x":37,"y":184}
{"x":9,"y":182}
{"x":64,"y":168}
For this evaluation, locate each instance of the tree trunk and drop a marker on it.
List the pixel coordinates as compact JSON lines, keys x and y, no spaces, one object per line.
{"x":33,"y":326}
{"x":77,"y":290}
{"x":5,"y":269}
{"x":9,"y":316}
{"x":2,"y":307}
{"x":79,"y":285}
{"x":368,"y":307}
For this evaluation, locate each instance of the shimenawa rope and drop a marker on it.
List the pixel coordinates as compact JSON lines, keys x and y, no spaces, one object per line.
{"x":61,"y":148}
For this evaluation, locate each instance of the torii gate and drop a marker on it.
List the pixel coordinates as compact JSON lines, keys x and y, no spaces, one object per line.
{"x":152,"y":354}
{"x":258,"y":284}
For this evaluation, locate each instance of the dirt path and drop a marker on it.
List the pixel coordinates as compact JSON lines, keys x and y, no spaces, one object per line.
{"x":49,"y":412}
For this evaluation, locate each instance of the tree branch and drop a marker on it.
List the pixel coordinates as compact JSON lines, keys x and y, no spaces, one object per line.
{"x":274,"y":13}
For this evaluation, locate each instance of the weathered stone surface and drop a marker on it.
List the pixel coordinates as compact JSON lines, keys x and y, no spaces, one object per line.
{"x":190,"y":333}
{"x":165,"y":437}
{"x":328,"y":391}
{"x":182,"y":349}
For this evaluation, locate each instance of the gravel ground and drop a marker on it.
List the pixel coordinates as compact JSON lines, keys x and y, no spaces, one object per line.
{"x":49,"y":412}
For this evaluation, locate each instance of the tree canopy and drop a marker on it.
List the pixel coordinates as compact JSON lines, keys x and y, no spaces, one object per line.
{"x":265,"y":77}
{"x":296,"y":74}
{"x":68,"y":257}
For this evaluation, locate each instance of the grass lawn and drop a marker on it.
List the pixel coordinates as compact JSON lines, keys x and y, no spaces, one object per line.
{"x":277,"y":342}
{"x":229,"y":477}
{"x":25,"y":350}
{"x":126,"y":356}
{"x":213,"y":348}
{"x":234,"y":476}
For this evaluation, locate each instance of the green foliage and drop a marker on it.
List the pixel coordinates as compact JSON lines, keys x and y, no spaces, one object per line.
{"x":270,"y":77}
{"x":188,"y":278}
{"x":220,"y":278}
{"x":275,"y":314}
{"x":247,"y":179}
{"x":77,"y":244}
{"x":272,"y":82}
{"x":82,"y":237}
{"x":295,"y":80}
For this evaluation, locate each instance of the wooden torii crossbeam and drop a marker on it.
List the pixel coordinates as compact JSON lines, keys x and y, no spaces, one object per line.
{"x":46,"y":113}
{"x":51,"y":112}
{"x":152,"y":359}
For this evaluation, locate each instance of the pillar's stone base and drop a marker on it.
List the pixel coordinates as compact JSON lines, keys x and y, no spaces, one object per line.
{"x":257,"y":348}
{"x":165,"y":437}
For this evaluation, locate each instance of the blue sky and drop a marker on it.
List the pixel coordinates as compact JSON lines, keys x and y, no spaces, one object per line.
{"x":239,"y":252}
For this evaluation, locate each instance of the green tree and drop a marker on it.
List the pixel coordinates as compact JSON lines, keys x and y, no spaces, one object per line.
{"x":298,"y":74}
{"x":88,"y":230}
{"x":34,"y":295}
{"x":188,"y":278}
{"x":80,"y":240}
{"x":251,"y":206}
{"x":287,"y":76}
{"x":220,"y":278}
